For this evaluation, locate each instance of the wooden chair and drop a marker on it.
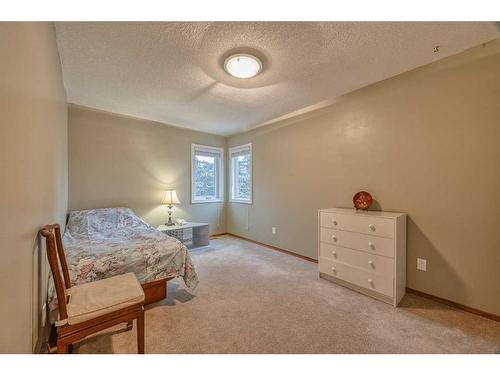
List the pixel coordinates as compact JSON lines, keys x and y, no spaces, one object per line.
{"x":89,"y":308}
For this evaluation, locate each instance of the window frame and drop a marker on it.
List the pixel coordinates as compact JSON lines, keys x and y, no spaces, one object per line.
{"x":233,"y":150}
{"x":219,"y":187}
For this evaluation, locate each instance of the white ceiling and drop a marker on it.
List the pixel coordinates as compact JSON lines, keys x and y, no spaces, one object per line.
{"x":172,"y":72}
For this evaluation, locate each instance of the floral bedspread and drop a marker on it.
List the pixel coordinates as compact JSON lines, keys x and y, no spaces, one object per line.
{"x":106,"y":242}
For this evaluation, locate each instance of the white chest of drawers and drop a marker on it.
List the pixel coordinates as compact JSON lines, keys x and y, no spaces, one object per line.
{"x":364,"y":251}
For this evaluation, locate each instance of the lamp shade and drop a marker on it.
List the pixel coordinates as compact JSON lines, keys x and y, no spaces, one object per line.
{"x":170,"y":197}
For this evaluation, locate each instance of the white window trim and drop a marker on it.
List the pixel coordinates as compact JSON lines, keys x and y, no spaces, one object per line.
{"x":220,"y":187}
{"x":231,"y":179}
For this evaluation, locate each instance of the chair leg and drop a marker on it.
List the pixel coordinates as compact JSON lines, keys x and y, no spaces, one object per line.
{"x":62,"y":347}
{"x":140,"y":332}
{"x":130,"y":325}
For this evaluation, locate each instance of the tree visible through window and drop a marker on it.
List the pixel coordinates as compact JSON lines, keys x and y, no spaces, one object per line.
{"x":205,"y":176}
{"x":207,"y":173}
{"x":241,"y":173}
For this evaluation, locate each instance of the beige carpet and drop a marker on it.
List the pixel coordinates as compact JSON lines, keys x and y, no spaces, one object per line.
{"x":255,"y":300}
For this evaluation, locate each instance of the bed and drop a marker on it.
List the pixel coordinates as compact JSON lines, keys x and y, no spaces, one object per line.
{"x":106,"y":242}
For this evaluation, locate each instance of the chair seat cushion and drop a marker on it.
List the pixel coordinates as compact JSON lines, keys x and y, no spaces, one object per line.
{"x":91,"y":300}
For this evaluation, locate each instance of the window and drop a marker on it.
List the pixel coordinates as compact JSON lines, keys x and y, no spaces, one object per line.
{"x":240,"y":159}
{"x":207,"y":174}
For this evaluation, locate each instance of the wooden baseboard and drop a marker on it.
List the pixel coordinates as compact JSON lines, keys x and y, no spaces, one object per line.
{"x":215,"y":235}
{"x":275,"y":248}
{"x":457,"y":305}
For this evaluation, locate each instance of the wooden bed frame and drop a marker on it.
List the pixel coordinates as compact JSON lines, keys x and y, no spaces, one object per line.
{"x":155,"y":290}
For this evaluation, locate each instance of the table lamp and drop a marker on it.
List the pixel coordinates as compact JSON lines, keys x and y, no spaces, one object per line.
{"x":170,"y":198}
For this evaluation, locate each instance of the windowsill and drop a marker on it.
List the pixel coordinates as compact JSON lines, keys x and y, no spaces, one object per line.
{"x":209,"y":201}
{"x":242,"y":202}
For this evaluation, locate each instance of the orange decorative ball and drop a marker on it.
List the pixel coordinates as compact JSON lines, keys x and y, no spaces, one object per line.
{"x":362,"y":200}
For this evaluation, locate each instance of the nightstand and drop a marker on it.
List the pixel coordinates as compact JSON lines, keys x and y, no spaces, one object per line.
{"x":190,"y":234}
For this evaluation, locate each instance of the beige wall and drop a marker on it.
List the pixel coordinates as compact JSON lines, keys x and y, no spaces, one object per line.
{"x":122,"y":161}
{"x":33,"y":173}
{"x":425,"y":143}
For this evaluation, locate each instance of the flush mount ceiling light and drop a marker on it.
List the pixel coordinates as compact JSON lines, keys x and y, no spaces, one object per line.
{"x":243,"y":65}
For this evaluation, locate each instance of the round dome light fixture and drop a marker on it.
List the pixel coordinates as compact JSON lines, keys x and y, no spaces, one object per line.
{"x":242,"y":65}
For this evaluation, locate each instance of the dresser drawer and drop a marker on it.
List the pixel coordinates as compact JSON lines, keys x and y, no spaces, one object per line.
{"x":360,"y":259}
{"x":377,"y":226}
{"x":372,"y":281}
{"x":364,"y":242}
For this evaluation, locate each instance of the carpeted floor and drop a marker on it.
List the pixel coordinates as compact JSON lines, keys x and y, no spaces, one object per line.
{"x":255,"y":300}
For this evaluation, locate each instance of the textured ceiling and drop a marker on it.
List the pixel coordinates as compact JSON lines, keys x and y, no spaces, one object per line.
{"x":172,"y":72}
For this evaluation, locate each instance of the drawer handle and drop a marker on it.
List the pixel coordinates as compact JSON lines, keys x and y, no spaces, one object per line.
{"x":372,"y":227}
{"x":334,"y":222}
{"x":372,"y":245}
{"x":370,"y":281}
{"x":370,"y":262}
{"x":333,"y":269}
{"x":334,"y":238}
{"x":334,"y":253}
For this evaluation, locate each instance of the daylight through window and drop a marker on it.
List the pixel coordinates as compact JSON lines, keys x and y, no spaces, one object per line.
{"x":240,"y":159}
{"x":207,"y":173}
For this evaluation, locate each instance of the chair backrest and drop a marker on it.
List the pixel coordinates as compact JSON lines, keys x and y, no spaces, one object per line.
{"x":55,"y":251}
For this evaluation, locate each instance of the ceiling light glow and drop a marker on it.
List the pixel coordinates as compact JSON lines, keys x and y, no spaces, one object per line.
{"x":242,"y":65}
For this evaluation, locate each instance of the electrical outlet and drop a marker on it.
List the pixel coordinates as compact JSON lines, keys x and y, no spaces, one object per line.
{"x":421,"y":264}
{"x":273,"y":230}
